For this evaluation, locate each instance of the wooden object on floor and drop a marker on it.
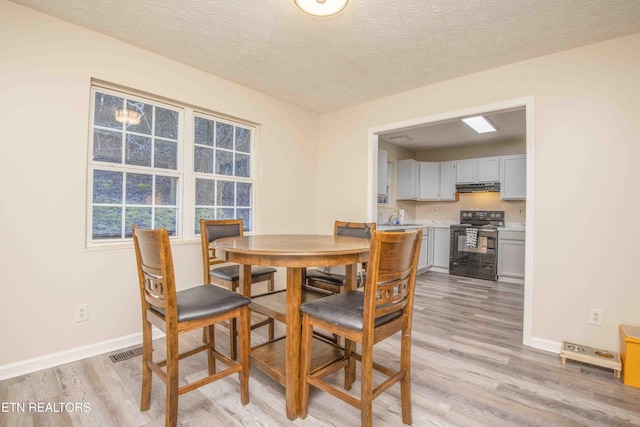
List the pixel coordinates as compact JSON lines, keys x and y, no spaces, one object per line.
{"x":175,"y":313}
{"x":367,"y":318}
{"x":334,"y":283}
{"x":592,"y":356}
{"x":229,"y":275}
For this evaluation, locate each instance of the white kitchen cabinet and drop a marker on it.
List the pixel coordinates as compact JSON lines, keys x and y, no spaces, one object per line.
{"x":429,"y":185}
{"x":431,"y":233}
{"x":513,"y":177}
{"x":423,"y":264}
{"x":382,"y":172}
{"x":484,"y":169}
{"x":407,"y":179}
{"x":447,"y":181}
{"x":441,"y":249}
{"x":511,"y":246}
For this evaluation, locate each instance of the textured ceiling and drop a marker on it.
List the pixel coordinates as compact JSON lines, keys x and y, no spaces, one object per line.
{"x":373,"y":48}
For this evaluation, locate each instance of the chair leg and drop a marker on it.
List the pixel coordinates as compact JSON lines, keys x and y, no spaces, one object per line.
{"x":233,"y":339}
{"x":305,"y":369}
{"x":350,"y":369}
{"x":405,"y":383}
{"x":147,"y":374}
{"x":366,"y":389}
{"x":245,"y":345}
{"x":211,"y":339}
{"x":171,"y":417}
{"x":271,"y":287}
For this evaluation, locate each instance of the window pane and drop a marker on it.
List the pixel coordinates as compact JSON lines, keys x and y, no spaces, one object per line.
{"x":139,"y":189}
{"x":138,"y":150}
{"x":136,"y":216}
{"x":226,"y":193}
{"x":224,"y":136}
{"x":166,"y":155}
{"x":205,"y":192}
{"x":146,"y":117}
{"x":107,"y":222}
{"x":224,"y":162}
{"x":166,"y":218}
{"x":243,"y":165}
{"x":203,"y":160}
{"x":105,"y":110}
{"x":166,"y":123}
{"x":244,"y":194}
{"x":107,"y":187}
{"x":206,"y":213}
{"x":245,"y":214}
{"x":227,"y":213}
{"x":166,"y":190}
{"x":204,"y":131}
{"x":107,"y":146}
{"x":243,"y":140}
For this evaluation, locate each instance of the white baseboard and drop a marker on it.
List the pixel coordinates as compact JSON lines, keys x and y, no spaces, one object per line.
{"x":547,"y":345}
{"x":49,"y":361}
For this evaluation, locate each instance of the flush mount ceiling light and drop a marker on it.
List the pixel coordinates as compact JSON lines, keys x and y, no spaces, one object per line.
{"x":321,"y":7}
{"x":129,"y":117}
{"x":480,"y":124}
{"x":401,"y":138}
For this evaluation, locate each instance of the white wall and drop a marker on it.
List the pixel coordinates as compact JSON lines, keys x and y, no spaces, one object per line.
{"x":587,"y":146}
{"x":45,"y":270}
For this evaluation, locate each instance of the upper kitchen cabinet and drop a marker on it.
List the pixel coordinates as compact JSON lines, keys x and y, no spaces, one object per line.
{"x":448,"y":181}
{"x":485,"y":169}
{"x":383,"y":178}
{"x":429,"y":186}
{"x":425,"y":181}
{"x":407,"y":179}
{"x":513,"y":177}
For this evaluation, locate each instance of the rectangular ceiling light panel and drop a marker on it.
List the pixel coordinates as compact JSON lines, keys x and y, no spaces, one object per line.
{"x":480,"y":124}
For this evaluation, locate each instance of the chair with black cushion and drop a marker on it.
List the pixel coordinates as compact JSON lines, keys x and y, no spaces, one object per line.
{"x":228,"y":275}
{"x":178,"y":312}
{"x":326,"y":278}
{"x":367,"y":317}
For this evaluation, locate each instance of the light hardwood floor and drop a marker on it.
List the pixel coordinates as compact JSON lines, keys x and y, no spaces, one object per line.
{"x":469,"y":368}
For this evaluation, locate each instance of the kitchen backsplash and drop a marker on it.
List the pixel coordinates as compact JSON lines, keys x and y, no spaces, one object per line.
{"x":450,"y":211}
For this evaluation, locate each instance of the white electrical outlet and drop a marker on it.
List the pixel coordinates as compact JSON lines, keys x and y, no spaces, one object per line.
{"x":595,"y":316}
{"x":82,"y":313}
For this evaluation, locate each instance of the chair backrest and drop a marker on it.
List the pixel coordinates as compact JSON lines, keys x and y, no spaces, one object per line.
{"x":354,"y":229}
{"x":214,"y":229}
{"x":391,"y":274}
{"x":155,"y":270}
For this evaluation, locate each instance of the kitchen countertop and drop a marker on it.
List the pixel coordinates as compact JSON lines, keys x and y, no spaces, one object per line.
{"x":509,"y":226}
{"x":420,"y":224}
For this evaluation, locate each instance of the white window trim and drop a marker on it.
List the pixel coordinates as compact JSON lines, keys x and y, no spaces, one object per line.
{"x":185,"y":164}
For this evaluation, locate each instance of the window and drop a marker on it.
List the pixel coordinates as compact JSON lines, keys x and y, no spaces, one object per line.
{"x":222,"y":165}
{"x":137,"y":172}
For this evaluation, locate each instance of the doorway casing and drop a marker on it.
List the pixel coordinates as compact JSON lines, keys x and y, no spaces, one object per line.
{"x":527,"y":103}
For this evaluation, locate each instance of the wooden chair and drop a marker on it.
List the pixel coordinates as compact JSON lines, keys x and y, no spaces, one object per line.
{"x":229,"y":274}
{"x":330,"y":282}
{"x":384,"y":308}
{"x":177,"y":312}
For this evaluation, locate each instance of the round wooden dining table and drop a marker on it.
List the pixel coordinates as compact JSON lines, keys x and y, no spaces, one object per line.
{"x":295,"y":252}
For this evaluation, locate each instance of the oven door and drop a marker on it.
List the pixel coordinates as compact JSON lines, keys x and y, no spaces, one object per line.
{"x":473,"y":260}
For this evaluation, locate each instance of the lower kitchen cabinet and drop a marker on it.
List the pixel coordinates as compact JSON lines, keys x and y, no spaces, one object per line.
{"x":441,"y":249}
{"x":511,"y":256}
{"x":424,"y":252}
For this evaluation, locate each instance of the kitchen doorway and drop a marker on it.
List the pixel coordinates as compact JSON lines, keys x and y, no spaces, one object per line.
{"x":421,"y":122}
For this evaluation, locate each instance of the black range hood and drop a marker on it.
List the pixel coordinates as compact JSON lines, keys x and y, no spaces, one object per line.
{"x":479,"y":187}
